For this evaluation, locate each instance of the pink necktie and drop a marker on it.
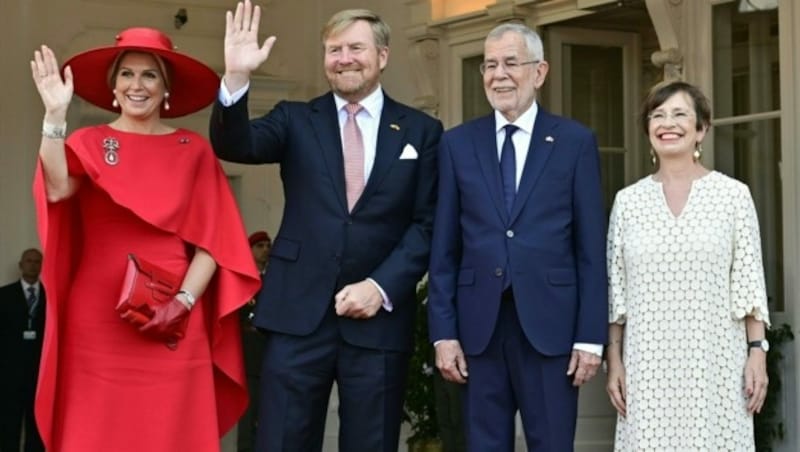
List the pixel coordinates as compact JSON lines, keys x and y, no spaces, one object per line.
{"x":353,"y":156}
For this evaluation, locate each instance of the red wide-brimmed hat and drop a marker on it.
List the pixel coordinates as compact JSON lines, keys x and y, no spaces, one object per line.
{"x":192,"y":84}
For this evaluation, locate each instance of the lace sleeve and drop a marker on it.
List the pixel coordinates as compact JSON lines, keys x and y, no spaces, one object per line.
{"x":616,"y":265}
{"x":747,"y":291}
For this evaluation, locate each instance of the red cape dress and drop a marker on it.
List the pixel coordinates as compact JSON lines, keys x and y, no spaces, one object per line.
{"x":102,"y":384}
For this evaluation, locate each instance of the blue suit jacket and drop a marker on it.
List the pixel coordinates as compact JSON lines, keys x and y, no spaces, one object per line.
{"x":320,"y":246}
{"x":553,"y":243}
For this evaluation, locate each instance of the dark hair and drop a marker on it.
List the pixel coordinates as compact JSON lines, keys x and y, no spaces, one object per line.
{"x":664,"y":90}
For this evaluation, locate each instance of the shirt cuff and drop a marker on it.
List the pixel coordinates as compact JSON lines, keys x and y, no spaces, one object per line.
{"x":387,"y":304}
{"x":226,"y":98}
{"x":596,"y":349}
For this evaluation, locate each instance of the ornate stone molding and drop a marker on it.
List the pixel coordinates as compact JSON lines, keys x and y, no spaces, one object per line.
{"x":671,"y":61}
{"x":507,"y":12}
{"x":666,"y":16}
{"x":425,"y":68}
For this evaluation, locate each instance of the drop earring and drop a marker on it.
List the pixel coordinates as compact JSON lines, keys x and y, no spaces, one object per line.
{"x":653,"y":159}
{"x":166,"y":101}
{"x":698,"y":151}
{"x":114,"y":103}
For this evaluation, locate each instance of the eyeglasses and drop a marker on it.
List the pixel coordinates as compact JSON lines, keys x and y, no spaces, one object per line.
{"x":508,"y":65}
{"x":679,"y":116}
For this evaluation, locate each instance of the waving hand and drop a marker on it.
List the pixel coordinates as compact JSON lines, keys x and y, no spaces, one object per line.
{"x":242,"y":53}
{"x":55,"y":92}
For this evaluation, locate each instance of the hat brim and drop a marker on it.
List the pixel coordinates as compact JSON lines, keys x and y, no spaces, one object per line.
{"x":193,"y":85}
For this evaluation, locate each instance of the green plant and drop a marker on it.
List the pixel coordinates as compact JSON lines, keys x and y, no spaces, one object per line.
{"x":769,"y":424}
{"x":420,"y":403}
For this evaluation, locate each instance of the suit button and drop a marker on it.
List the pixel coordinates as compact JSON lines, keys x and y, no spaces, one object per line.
{"x":510,"y":234}
{"x":498,"y":272}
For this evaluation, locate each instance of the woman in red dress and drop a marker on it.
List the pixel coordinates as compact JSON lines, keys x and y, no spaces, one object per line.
{"x":136,"y":185}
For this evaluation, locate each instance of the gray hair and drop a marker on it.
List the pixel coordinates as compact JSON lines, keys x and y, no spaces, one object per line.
{"x":532,"y":40}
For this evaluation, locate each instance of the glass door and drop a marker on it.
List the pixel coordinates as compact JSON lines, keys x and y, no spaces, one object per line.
{"x":594,"y":79}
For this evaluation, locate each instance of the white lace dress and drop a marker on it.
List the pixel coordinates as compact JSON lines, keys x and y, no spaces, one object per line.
{"x":682,"y":286}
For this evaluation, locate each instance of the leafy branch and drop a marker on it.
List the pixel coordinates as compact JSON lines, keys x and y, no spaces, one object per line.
{"x":769,"y":423}
{"x":420,"y":403}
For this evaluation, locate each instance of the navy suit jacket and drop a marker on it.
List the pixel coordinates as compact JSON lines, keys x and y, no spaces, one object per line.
{"x":553,"y":242}
{"x":321,"y":247}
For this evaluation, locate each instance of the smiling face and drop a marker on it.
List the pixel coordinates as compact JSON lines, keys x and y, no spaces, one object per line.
{"x":353,"y":61}
{"x":673,"y":129}
{"x":512,"y":77}
{"x":139,"y":86}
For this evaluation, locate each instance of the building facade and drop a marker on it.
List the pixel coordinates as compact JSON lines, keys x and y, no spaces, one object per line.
{"x":603,"y":54}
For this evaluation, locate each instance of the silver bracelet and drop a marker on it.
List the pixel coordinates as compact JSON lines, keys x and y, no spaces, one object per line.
{"x":54,"y":132}
{"x":190,"y":299}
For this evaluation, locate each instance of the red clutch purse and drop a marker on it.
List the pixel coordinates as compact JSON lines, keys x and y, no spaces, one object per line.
{"x":146,"y":286}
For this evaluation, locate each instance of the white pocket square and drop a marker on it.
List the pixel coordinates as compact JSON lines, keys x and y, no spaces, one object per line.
{"x":409,"y":153}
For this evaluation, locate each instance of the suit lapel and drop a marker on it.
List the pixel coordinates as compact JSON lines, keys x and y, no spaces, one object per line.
{"x":23,"y":297}
{"x":391,"y":131}
{"x":325,"y":122}
{"x":485,"y":146}
{"x":541,"y":146}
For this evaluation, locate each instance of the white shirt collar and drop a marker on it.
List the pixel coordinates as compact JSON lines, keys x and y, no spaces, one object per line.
{"x":25,"y":286}
{"x":524,"y":121}
{"x":373,"y":103}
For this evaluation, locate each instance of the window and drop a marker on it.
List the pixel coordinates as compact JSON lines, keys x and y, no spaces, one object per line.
{"x":746,"y":110}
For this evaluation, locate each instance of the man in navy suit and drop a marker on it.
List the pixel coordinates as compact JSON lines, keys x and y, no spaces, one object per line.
{"x":22,"y":307}
{"x":517,"y":295}
{"x":359,"y":176}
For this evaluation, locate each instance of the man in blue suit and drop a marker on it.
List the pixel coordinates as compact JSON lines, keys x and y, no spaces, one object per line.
{"x":359,"y":177}
{"x":518,"y":303}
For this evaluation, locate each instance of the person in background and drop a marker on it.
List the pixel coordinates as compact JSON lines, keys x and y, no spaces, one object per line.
{"x":22,"y":310}
{"x":260,"y":245}
{"x":517,"y":296}
{"x":109,"y":381}
{"x":359,"y":178}
{"x":688,"y":306}
{"x":253,"y":345}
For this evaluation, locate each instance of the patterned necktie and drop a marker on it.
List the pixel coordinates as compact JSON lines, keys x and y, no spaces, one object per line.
{"x":508,"y":167}
{"x":31,"y":297}
{"x":353,"y":156}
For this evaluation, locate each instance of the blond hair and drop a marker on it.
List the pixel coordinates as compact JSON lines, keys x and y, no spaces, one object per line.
{"x":343,"y":19}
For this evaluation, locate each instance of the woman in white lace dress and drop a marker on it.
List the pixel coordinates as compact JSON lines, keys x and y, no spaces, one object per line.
{"x":687,"y":302}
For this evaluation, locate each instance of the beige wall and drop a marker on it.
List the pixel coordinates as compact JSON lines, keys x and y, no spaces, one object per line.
{"x":17,"y":123}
